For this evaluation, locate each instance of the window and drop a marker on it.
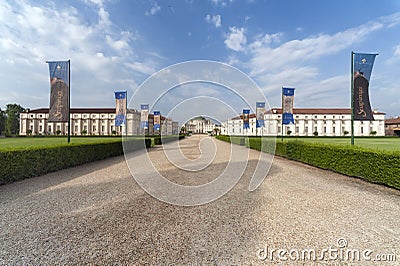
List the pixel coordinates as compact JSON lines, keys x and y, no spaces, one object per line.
{"x":362,"y":130}
{"x":297,"y":129}
{"x":102,"y":128}
{"x":315,"y":129}
{"x":279,"y":129}
{"x":40,"y":128}
{"x":333,"y":117}
{"x":297,"y":116}
{"x":306,"y":129}
{"x":49,"y":128}
{"x":94,"y":128}
{"x":325,"y":116}
{"x":306,"y":117}
{"x":76,"y":128}
{"x":58,"y":127}
{"x":324,"y":129}
{"x":315,"y":116}
{"x":333,"y":130}
{"x":343,"y":129}
{"x":325,"y":122}
{"x":85,"y":127}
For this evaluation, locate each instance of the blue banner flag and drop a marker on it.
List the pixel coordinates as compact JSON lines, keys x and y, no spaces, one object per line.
{"x":120,"y":108}
{"x":362,"y":66}
{"x":287,"y":105}
{"x":157,"y":120}
{"x":144,"y":116}
{"x":246,"y":118}
{"x":59,"y":91}
{"x":260,"y":111}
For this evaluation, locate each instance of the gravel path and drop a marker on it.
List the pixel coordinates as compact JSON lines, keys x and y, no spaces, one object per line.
{"x":97,"y":214}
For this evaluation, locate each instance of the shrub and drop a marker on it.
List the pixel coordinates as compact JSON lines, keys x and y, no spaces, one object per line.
{"x":375,"y":166}
{"x":19,"y":164}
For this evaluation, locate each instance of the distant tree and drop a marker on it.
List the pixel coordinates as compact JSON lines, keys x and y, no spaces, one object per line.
{"x":315,"y":133}
{"x":29,"y":131}
{"x":12,"y":118}
{"x":373,"y":133}
{"x":58,"y":132}
{"x":289,"y":132}
{"x":113,"y":132}
{"x":84,"y":132}
{"x":2,"y":121}
{"x":345,"y":132}
{"x":216,"y":130}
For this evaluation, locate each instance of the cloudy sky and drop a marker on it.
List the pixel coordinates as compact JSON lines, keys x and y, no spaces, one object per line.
{"x":118,"y":44}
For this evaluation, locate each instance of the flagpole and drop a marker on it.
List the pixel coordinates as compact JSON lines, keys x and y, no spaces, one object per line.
{"x":352,"y":98}
{"x":126,"y":113}
{"x":69,"y":101}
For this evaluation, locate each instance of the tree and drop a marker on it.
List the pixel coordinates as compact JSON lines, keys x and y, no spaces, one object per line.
{"x":315,"y":133}
{"x":84,"y":132}
{"x":289,"y":132}
{"x":12,"y":118}
{"x":373,"y":133}
{"x":2,"y":121}
{"x":345,"y":132}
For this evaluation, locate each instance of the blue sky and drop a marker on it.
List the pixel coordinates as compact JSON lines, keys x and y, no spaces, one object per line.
{"x":116,"y":45}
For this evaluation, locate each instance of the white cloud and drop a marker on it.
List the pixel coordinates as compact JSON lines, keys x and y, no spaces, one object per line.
{"x":30,"y":34}
{"x":222,"y":3}
{"x":121,"y":44}
{"x":266,"y":59}
{"x":153,"y":10}
{"x":297,"y":63}
{"x":216,"y":20}
{"x":397,"y":50}
{"x":266,"y":39}
{"x":236,"y":39}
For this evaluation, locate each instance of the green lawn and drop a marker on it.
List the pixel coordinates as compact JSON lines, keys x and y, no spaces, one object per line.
{"x":389,"y":144}
{"x":31,"y":142}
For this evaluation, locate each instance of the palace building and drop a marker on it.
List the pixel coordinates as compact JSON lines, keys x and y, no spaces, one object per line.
{"x":392,"y":126}
{"x":307,"y":122}
{"x":91,"y":121}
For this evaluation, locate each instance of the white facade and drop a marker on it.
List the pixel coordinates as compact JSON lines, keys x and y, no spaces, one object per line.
{"x":200,"y":125}
{"x":326,"y":122}
{"x":89,"y":121}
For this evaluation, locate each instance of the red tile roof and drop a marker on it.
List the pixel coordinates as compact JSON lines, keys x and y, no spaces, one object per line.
{"x":78,"y":110}
{"x":318,"y":111}
{"x":392,"y":121}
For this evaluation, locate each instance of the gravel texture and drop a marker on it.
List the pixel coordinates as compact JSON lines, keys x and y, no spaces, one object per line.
{"x":96,"y":214}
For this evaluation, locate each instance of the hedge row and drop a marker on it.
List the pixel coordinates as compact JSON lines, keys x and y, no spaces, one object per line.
{"x":375,"y":166}
{"x":20,"y":164}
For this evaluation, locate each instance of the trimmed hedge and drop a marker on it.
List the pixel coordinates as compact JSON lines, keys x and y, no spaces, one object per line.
{"x":20,"y":164}
{"x":382,"y":167}
{"x":25,"y":163}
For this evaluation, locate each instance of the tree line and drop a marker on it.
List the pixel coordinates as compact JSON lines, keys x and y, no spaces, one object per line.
{"x":9,"y":119}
